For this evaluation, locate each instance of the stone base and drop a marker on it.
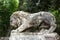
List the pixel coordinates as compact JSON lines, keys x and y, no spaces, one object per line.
{"x":33,"y":36}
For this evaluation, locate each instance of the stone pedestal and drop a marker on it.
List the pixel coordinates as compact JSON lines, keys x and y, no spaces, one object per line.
{"x":33,"y":36}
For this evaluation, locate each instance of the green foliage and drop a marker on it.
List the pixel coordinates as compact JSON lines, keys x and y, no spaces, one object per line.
{"x":7,"y":7}
{"x":30,"y":5}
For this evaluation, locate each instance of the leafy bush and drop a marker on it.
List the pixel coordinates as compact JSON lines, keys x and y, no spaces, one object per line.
{"x":7,"y":7}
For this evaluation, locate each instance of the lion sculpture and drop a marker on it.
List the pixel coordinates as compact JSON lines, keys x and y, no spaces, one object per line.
{"x":24,"y":20}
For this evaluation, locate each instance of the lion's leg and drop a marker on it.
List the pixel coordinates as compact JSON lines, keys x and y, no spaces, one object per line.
{"x":53,"y":27}
{"x":25,"y":25}
{"x":50,"y":30}
{"x":22,"y":27}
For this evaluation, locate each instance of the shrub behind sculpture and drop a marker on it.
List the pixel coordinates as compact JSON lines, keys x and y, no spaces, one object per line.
{"x":7,"y":7}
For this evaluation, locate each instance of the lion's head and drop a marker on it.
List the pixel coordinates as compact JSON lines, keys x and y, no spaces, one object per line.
{"x":15,"y":20}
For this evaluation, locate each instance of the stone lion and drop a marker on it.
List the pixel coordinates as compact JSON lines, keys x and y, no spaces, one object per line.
{"x":24,"y":20}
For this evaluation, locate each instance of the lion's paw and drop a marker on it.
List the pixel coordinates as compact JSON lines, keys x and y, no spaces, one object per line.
{"x":14,"y":31}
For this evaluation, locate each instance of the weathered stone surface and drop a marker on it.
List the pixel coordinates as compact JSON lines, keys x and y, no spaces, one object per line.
{"x":33,"y":36}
